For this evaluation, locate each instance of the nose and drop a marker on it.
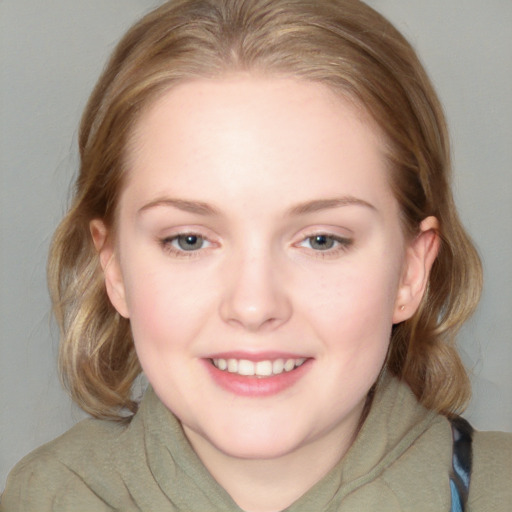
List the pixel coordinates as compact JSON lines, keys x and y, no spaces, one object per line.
{"x":255,"y":295}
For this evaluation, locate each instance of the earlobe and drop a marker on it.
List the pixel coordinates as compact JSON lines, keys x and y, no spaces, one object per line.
{"x":420,"y":256}
{"x":109,"y":262}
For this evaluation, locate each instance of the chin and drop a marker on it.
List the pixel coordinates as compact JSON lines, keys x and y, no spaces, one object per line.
{"x":257,"y":449}
{"x":259,"y":440}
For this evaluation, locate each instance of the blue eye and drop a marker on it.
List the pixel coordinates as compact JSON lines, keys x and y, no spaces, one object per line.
{"x":188,"y":242}
{"x":184,"y":243}
{"x":321,"y":242}
{"x":324,"y":243}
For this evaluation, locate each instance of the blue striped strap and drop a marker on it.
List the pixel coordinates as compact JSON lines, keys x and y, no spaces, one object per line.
{"x":462,"y":433}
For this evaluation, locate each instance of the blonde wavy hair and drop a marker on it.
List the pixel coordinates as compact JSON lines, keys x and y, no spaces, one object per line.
{"x":343,"y":44}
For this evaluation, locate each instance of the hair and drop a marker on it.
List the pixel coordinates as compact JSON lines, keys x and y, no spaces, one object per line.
{"x":343,"y":44}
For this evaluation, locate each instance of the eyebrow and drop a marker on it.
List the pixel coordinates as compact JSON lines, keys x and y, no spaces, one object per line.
{"x":326,"y":204}
{"x":201,"y":208}
{"x":197,"y":207}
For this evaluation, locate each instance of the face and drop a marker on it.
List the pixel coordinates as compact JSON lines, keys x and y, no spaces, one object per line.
{"x":260,"y":259}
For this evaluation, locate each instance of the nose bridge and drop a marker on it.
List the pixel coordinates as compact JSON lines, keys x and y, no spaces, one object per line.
{"x":255,"y":295}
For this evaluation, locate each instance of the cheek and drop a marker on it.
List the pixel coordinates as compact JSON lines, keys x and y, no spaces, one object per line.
{"x":358,"y":296}
{"x":351,"y":311}
{"x":355,"y":326}
{"x":165,"y":307}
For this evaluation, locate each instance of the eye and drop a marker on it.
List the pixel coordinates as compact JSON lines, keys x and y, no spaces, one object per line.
{"x":321,"y":242}
{"x":324,"y":242}
{"x":185,"y":242}
{"x":189,"y":242}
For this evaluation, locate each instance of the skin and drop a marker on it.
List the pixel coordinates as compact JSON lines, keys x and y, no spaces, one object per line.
{"x":257,"y":167}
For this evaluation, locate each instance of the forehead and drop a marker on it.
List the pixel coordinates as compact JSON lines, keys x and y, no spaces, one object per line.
{"x":241,"y":132}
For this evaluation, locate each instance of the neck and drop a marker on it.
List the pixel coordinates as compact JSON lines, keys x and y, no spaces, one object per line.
{"x":271,"y":485}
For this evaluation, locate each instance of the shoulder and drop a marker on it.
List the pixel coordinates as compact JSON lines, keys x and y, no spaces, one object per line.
{"x":88,"y":441}
{"x":491,"y":480}
{"x":73,"y":463}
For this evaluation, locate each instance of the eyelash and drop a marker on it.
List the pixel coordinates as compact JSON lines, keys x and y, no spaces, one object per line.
{"x":167,"y":245}
{"x":341,"y":244}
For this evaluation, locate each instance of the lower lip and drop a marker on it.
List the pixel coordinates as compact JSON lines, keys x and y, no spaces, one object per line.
{"x":253,"y":386}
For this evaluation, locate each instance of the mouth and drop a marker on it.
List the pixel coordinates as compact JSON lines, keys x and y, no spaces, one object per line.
{"x":261,"y":369}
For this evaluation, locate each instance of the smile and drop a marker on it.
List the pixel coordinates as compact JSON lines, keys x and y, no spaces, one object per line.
{"x":265,"y":368}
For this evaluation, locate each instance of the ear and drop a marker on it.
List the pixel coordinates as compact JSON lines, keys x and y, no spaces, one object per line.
{"x":419,"y":258}
{"x":109,"y":261}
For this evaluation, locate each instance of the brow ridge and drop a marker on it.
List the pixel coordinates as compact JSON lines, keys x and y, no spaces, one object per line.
{"x":202,"y":208}
{"x":197,"y":207}
{"x":326,"y":204}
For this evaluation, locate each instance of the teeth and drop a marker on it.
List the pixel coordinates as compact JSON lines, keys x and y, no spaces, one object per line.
{"x":289,"y":365}
{"x":277,"y":366}
{"x":265,"y":368}
{"x":245,"y":367}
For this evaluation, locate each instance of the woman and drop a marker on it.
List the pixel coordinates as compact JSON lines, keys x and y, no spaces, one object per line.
{"x":263,"y":222}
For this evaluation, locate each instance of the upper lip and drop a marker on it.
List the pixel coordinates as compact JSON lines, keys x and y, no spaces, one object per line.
{"x":256,"y":356}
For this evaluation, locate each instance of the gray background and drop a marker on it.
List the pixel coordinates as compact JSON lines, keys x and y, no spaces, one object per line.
{"x":51,"y":55}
